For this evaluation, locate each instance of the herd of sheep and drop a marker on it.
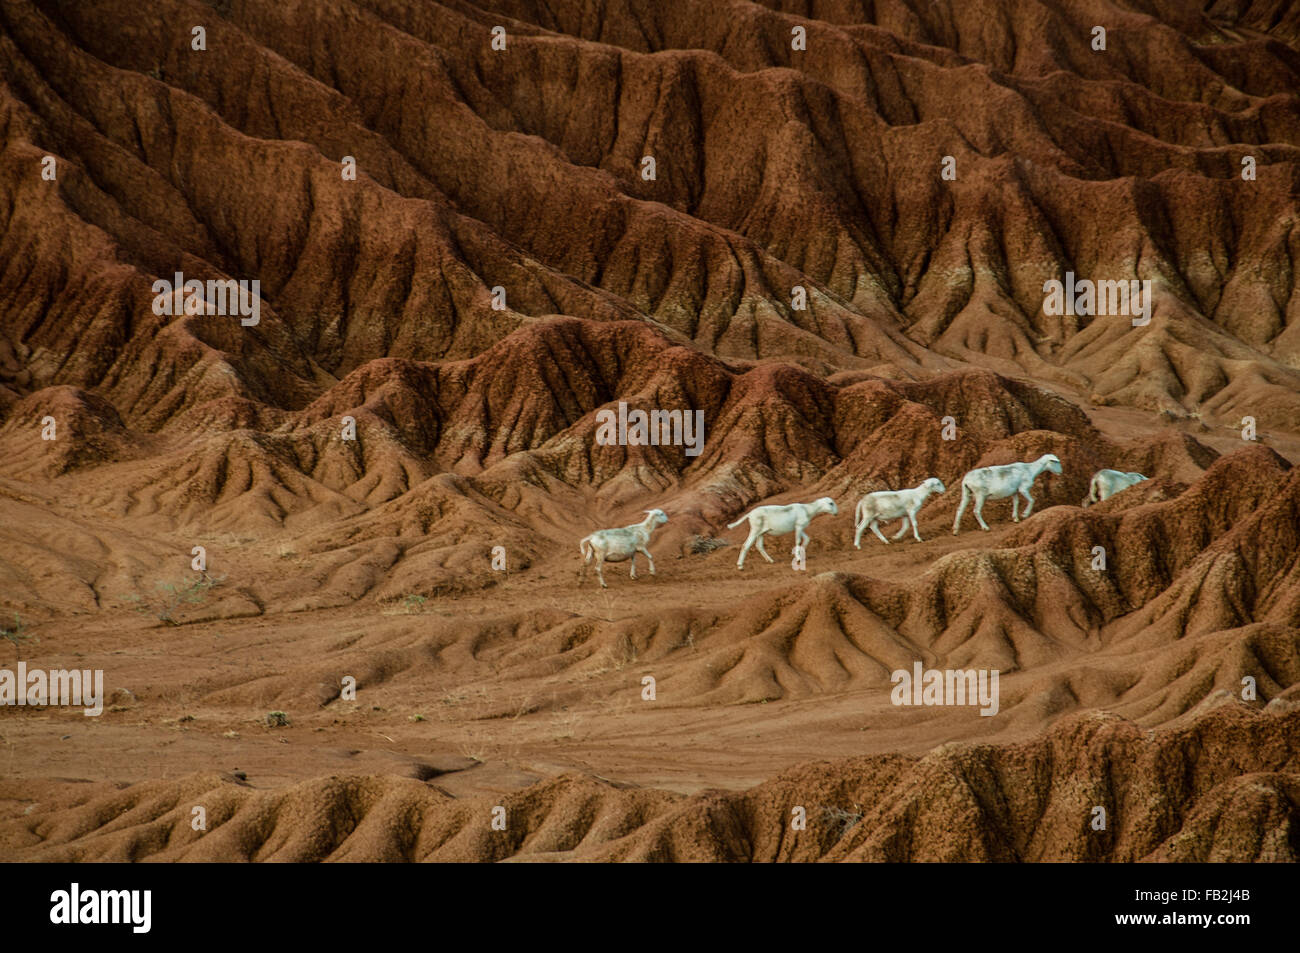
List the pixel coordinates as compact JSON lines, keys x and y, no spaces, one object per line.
{"x":980,"y":485}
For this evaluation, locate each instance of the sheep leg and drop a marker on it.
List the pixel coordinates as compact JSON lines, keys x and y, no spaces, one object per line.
{"x":744,"y":550}
{"x":857,"y":536}
{"x":912,"y":516}
{"x":1030,"y":507}
{"x":1015,"y":508}
{"x":600,"y":570}
{"x":902,"y":529}
{"x":875,"y":528}
{"x":763,"y":551}
{"x":649,"y":558}
{"x":979,"y":510}
{"x":632,"y":559}
{"x":961,"y":510}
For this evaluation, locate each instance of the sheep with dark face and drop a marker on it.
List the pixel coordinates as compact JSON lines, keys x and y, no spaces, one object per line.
{"x":616,"y":545}
{"x":997,"y":483}
{"x":890,"y":505}
{"x":1106,"y":483}
{"x":793,"y":517}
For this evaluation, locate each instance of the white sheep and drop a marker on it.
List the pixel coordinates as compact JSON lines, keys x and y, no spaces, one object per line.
{"x":780,"y":520}
{"x":890,"y":505}
{"x":997,"y":483}
{"x":1106,"y":483}
{"x":616,"y":545}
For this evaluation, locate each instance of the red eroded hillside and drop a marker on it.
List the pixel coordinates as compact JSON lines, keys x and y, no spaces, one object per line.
{"x":826,"y":229}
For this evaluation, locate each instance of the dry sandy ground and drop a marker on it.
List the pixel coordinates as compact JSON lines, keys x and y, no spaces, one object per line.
{"x":193,"y":697}
{"x":475,"y":427}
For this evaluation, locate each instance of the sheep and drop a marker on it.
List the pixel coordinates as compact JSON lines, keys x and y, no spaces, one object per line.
{"x":780,"y":520}
{"x":616,"y":545}
{"x":890,"y":505}
{"x":997,"y":483}
{"x":1106,"y":483}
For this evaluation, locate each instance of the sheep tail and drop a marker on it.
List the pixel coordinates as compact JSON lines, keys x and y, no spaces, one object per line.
{"x":738,"y":522}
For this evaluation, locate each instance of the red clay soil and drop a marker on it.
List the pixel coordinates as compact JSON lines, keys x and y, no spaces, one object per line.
{"x":1162,"y":686}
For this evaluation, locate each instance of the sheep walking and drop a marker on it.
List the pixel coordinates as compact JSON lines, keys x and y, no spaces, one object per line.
{"x":780,"y":520}
{"x":616,"y":545}
{"x":1106,"y":483}
{"x":890,"y":505}
{"x":997,"y":483}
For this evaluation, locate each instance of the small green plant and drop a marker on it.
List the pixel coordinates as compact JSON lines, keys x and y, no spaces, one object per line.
{"x":410,"y":604}
{"x":17,"y":634}
{"x":277,"y":719}
{"x":624,"y":651}
{"x":173,"y":596}
{"x":841,"y":820}
{"x":700,"y":545}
